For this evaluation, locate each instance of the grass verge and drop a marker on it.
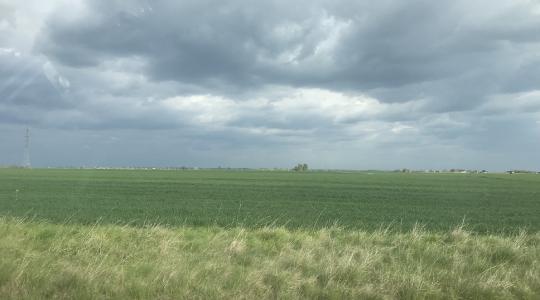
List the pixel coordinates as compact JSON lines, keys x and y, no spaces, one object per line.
{"x":42,"y":260}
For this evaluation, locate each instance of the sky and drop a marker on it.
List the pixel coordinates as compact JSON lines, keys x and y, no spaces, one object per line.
{"x":335,"y":84}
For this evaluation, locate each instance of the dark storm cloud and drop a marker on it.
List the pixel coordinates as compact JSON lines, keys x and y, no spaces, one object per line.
{"x":459,"y":55}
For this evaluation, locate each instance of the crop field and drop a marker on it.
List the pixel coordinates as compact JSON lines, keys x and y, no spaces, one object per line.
{"x":214,"y":234}
{"x":485,"y":202}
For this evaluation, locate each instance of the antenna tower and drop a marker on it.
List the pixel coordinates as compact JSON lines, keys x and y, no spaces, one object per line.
{"x":26,"y":161}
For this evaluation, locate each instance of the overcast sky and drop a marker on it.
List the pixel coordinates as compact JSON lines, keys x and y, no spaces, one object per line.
{"x":335,"y":84}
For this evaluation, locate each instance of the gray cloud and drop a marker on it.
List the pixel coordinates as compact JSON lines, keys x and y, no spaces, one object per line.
{"x":342,"y":46}
{"x":389,"y":77}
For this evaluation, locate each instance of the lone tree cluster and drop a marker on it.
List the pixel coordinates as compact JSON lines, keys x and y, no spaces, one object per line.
{"x":300,"y":168}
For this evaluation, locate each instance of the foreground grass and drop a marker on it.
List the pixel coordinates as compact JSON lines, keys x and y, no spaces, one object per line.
{"x":42,"y":260}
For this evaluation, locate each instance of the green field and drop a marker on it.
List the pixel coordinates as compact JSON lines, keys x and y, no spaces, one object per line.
{"x":215,"y":234}
{"x":486,"y":203}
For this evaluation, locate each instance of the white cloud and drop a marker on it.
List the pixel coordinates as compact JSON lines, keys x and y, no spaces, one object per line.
{"x":399,"y":128}
{"x":307,"y":103}
{"x":333,"y":31}
{"x":9,"y":51}
{"x":502,"y":104}
{"x":54,"y":77}
{"x":203,"y":109}
{"x":328,"y":104}
{"x":352,"y":115}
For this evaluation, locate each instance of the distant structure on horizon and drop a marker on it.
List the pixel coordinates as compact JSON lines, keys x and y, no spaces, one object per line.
{"x":26,"y":159}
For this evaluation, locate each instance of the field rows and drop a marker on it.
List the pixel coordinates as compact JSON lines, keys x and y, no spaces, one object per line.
{"x":486,"y":203}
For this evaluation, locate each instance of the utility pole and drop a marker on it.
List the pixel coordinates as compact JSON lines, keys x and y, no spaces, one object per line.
{"x":26,"y":161}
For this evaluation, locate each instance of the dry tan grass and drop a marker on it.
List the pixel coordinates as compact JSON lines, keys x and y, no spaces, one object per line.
{"x":40,"y":260}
